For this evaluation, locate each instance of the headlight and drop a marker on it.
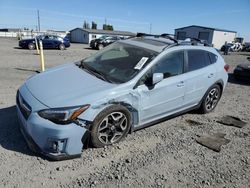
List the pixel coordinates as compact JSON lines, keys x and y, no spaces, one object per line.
{"x":63,"y":115}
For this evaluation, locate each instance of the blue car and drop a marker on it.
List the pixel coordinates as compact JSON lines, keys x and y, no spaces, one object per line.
{"x":126,"y":86}
{"x":48,"y":41}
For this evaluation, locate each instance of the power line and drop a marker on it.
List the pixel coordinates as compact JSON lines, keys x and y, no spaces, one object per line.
{"x":38,"y":20}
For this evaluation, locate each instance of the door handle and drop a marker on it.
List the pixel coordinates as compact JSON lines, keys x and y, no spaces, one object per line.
{"x":180,"y":84}
{"x":210,"y":75}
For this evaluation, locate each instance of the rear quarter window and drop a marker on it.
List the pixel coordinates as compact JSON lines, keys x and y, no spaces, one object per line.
{"x":197,"y":59}
{"x":213,"y":57}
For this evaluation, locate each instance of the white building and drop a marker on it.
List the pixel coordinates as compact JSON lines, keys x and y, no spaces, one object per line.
{"x":81,"y":35}
{"x":216,"y":37}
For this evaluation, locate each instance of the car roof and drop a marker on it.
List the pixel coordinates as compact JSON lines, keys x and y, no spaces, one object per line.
{"x":155,"y":44}
{"x":159,"y":44}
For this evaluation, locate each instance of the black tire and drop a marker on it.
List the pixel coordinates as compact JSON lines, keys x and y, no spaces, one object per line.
{"x":31,"y":46}
{"x":211,"y":99}
{"x":105,"y":126}
{"x":100,"y":46}
{"x":61,"y":47}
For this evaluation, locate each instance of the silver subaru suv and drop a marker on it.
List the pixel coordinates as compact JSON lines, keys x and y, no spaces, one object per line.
{"x":124,"y":87}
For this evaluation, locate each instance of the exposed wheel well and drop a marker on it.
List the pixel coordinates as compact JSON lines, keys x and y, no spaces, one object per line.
{"x":220,"y":84}
{"x":134,"y":113}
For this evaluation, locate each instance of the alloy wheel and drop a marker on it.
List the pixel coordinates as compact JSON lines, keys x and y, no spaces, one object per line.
{"x":112,"y":128}
{"x":212,"y":99}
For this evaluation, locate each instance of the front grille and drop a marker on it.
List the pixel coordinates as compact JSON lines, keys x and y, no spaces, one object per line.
{"x":23,"y":106}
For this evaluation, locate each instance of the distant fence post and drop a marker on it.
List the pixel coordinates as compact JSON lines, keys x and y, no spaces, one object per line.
{"x":37,"y":47}
{"x":41,"y":56}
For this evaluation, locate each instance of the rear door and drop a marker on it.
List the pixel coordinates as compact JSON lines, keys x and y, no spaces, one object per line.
{"x":201,"y":74}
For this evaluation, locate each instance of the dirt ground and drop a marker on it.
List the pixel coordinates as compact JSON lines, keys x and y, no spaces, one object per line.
{"x":163,"y":155}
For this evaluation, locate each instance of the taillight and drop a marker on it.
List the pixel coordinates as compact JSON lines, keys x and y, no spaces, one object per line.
{"x":226,"y":67}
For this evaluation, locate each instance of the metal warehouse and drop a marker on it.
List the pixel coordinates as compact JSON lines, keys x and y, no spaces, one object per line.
{"x":216,"y":37}
{"x":81,"y":35}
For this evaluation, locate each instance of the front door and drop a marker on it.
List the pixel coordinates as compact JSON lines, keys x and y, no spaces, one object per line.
{"x":165,"y":97}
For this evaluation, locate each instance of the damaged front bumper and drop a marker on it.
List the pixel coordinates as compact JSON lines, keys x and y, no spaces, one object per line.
{"x":58,"y":142}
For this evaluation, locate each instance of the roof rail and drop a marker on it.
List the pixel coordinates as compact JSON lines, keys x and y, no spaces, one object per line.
{"x":168,"y":36}
{"x":164,"y":35}
{"x":187,"y":41}
{"x":195,"y":41}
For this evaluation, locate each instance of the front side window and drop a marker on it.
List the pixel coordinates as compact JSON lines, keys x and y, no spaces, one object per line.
{"x":197,"y":59}
{"x":118,"y":62}
{"x":170,"y":65}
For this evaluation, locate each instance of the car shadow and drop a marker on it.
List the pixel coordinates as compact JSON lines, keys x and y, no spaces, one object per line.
{"x":27,"y":70}
{"x":19,"y":48}
{"x":10,"y":135}
{"x":232,"y":80}
{"x":88,"y":48}
{"x":245,"y":54}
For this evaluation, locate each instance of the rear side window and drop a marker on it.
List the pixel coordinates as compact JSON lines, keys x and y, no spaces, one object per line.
{"x":213,"y":57}
{"x":197,"y":59}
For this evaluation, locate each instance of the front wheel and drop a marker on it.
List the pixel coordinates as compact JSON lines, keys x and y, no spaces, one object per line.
{"x":110,"y":126}
{"x":210,"y":99}
{"x":61,"y":47}
{"x":31,"y":46}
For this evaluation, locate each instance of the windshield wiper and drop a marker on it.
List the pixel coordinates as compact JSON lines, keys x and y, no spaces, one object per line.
{"x":95,"y":72}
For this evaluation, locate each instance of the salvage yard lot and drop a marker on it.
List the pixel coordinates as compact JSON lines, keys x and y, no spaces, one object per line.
{"x":163,"y":155}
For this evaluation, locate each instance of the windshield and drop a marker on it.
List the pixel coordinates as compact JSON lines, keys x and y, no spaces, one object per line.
{"x":118,"y":62}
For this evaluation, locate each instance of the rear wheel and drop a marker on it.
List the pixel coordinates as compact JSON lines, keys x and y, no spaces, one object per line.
{"x":211,"y":99}
{"x":31,"y":46}
{"x":110,"y":126}
{"x":61,"y":47}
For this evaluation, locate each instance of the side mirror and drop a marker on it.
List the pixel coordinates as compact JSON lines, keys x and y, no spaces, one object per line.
{"x":157,"y":77}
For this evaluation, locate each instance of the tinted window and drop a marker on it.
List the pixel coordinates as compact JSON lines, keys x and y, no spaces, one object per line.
{"x":197,"y":59}
{"x":213,"y":57}
{"x":171,"y":64}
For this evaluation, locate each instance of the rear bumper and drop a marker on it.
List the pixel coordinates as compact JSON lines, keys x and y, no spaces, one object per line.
{"x":57,"y":142}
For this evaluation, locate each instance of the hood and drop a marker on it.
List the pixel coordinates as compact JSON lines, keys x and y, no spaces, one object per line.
{"x":244,"y":66}
{"x":66,"y":85}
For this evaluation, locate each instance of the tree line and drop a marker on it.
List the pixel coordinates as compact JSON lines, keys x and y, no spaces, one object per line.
{"x":86,"y":25}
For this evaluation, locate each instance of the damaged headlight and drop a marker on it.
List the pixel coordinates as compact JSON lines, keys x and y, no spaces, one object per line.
{"x":63,"y":115}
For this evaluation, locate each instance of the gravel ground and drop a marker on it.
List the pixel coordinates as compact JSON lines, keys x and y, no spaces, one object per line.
{"x":163,"y":155}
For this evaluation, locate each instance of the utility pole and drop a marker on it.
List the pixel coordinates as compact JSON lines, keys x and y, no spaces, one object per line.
{"x":150,"y":28}
{"x":38,"y":20}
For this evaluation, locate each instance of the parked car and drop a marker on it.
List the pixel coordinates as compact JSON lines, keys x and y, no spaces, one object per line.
{"x":48,"y":41}
{"x":103,"y":41}
{"x":228,"y":45}
{"x":246,"y":47}
{"x":242,"y":71}
{"x":233,"y":47}
{"x":126,"y":86}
